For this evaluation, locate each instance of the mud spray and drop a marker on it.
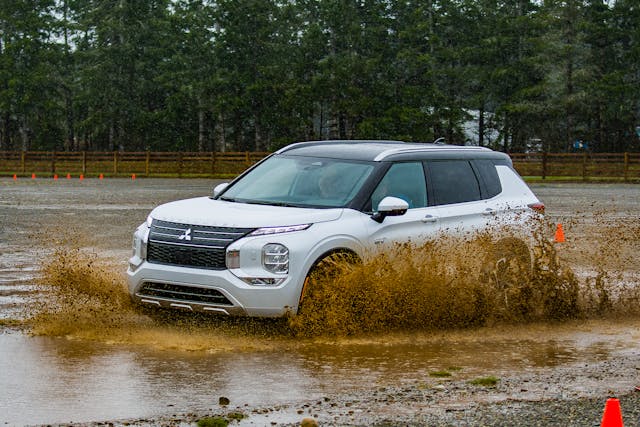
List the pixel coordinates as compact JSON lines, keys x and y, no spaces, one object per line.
{"x":447,"y":283}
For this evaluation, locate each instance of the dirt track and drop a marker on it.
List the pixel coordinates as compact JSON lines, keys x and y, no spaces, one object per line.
{"x":547,"y":374}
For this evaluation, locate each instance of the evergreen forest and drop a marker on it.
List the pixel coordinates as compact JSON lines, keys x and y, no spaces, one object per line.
{"x":254,"y":75}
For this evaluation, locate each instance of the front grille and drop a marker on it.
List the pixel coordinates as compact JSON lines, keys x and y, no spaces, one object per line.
{"x":191,"y":245}
{"x":159,"y":253}
{"x":183,"y":293}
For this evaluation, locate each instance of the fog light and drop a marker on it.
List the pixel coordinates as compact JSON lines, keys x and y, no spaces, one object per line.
{"x":263,"y":281}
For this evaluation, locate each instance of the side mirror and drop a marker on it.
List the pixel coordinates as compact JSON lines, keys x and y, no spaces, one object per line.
{"x":390,"y":206}
{"x":219,"y":189}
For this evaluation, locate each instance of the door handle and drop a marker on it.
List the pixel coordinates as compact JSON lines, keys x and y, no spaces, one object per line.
{"x":429,"y":219}
{"x":489,"y":211}
{"x":379,"y":241}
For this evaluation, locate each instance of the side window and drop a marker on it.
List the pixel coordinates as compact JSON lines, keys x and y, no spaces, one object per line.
{"x":404,"y":181}
{"x":453,"y":181}
{"x":487,"y":171}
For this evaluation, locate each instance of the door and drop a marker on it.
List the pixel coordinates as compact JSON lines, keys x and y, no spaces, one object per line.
{"x":405,"y":181}
{"x":455,"y":190}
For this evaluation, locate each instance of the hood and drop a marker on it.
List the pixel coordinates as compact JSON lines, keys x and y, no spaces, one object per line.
{"x":218,"y":213}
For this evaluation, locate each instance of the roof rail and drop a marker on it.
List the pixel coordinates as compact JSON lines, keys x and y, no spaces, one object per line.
{"x":335,"y":141}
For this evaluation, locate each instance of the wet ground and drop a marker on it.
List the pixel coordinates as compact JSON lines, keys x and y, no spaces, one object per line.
{"x":175,"y":375}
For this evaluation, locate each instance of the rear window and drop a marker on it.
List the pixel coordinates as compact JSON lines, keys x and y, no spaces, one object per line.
{"x":453,"y":181}
{"x":488,"y":174}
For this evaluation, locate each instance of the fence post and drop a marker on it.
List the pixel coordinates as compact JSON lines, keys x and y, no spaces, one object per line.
{"x":247,"y":156}
{"x":115,"y":163}
{"x":584,"y":166}
{"x":53,"y":162}
{"x":544,"y":165}
{"x":22,"y":161}
{"x":626,"y":166}
{"x":84,"y":162}
{"x":146,"y":164}
{"x":213,"y":163}
{"x":180,"y":164}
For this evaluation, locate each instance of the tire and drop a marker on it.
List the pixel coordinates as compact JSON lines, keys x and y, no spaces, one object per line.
{"x":324,"y":269}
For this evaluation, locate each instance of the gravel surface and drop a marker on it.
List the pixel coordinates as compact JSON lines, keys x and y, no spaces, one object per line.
{"x":544,"y":398}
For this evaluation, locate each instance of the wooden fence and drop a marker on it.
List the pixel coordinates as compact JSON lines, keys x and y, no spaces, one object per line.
{"x":556,"y":166}
{"x":578,"y":166}
{"x":94,"y":163}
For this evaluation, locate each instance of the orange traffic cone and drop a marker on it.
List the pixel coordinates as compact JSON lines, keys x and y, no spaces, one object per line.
{"x":68,"y":176}
{"x":15,"y":177}
{"x":55,"y":176}
{"x":559,"y":237}
{"x":33,"y":176}
{"x":133,"y":177}
{"x":612,"y":416}
{"x":101,"y":176}
{"x":81,"y":177}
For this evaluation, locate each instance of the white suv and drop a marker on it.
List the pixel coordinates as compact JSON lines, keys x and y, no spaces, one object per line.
{"x":249,"y":249}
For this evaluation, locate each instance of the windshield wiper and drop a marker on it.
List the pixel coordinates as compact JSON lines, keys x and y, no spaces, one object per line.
{"x":267,"y":203}
{"x":227,"y":199}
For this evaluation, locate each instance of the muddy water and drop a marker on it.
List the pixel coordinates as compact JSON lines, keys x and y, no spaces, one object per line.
{"x":156,"y":370}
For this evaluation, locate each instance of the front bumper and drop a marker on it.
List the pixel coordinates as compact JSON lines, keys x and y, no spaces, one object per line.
{"x":177,"y":287}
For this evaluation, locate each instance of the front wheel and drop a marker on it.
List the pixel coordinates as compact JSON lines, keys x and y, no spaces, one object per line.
{"x":323,"y":272}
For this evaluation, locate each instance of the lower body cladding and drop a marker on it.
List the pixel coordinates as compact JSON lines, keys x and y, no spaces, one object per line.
{"x":212,"y":291}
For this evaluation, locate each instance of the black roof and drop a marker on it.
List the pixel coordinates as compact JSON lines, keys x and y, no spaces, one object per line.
{"x":373,"y":150}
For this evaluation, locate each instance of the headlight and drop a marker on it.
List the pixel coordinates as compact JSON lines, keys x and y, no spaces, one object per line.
{"x":277,"y":230}
{"x":275,"y":258}
{"x":149,"y":221}
{"x":139,"y":247}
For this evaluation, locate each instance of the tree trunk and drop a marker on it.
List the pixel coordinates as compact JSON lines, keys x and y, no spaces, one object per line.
{"x":201,"y":130}
{"x":5,"y":141}
{"x":70,"y":120}
{"x":111,"y":138}
{"x":505,"y":135}
{"x":220,"y":133}
{"x":257,"y":134}
{"x":24,"y":136}
{"x":569,"y":95}
{"x":481,"y":125}
{"x":342,"y":126}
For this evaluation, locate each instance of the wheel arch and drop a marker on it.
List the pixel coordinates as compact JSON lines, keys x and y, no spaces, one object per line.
{"x":348,"y":252}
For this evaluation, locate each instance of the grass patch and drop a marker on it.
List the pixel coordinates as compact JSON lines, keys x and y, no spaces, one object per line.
{"x":221,"y":421}
{"x":213,"y":422}
{"x":440,"y":374}
{"x":236,"y":416}
{"x":489,"y":381}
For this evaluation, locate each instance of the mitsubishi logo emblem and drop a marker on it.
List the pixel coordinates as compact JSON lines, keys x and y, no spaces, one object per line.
{"x":186,"y":235}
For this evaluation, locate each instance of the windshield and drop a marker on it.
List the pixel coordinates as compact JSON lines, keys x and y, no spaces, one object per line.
{"x":301,"y":181}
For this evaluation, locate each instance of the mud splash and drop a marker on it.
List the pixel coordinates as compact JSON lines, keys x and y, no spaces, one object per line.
{"x":452,"y":283}
{"x":87,"y":299}
{"x":443,"y":285}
